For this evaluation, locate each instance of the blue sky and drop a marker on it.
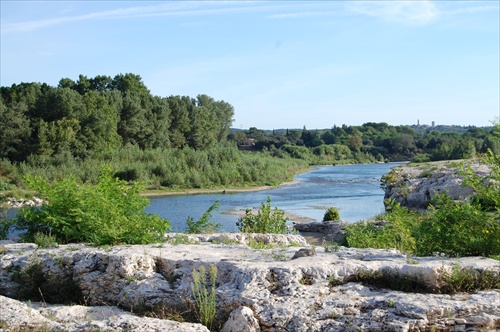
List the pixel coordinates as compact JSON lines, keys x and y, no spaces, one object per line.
{"x":281,"y":64}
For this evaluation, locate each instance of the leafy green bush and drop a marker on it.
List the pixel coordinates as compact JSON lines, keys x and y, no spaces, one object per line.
{"x":204,"y":226}
{"x":331,"y":214}
{"x":396,"y":233}
{"x":107,"y":213}
{"x":266,"y":221}
{"x":457,"y":229}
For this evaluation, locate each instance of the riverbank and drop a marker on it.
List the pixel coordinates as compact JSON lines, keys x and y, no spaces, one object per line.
{"x":222,"y":190}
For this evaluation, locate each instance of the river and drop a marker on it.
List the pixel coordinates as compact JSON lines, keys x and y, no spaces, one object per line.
{"x":353,"y":189}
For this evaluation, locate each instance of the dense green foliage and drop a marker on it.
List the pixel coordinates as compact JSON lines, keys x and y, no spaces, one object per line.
{"x":448,"y":227}
{"x":222,"y":166}
{"x":372,"y":142}
{"x":101,"y":114}
{"x":266,"y":221}
{"x":182,"y":142}
{"x":395,"y":233}
{"x":107,"y":213}
{"x":461,"y":229}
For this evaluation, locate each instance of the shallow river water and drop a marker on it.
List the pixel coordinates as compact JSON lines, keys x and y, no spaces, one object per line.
{"x":353,"y":189}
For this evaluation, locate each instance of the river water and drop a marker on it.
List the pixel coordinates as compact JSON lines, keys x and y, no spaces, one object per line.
{"x":353,"y":189}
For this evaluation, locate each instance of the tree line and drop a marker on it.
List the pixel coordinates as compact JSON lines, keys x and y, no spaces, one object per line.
{"x":92,"y":115}
{"x":184,"y":142}
{"x":372,"y":142}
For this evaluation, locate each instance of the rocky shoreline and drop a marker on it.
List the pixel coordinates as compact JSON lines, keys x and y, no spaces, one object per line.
{"x":414,"y":186}
{"x":271,"y":289}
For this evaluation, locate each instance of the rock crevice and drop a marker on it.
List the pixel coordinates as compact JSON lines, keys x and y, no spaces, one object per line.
{"x":258,"y":290}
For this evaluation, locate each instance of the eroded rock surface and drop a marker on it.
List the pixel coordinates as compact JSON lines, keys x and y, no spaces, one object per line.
{"x":265,"y":289}
{"x":415,"y":186}
{"x":333,"y":230}
{"x":47,"y":317}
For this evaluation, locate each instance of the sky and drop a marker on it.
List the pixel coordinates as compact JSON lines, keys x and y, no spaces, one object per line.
{"x":281,"y":64}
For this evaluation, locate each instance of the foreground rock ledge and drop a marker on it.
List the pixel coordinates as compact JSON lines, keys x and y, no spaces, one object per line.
{"x":266,"y":290}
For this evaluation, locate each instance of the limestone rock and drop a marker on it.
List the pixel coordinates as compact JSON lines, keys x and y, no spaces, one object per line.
{"x":304,"y":252}
{"x":312,"y":292}
{"x":15,"y":314}
{"x":18,"y":315}
{"x":415,"y":186}
{"x":333,"y":230}
{"x":241,"y":320}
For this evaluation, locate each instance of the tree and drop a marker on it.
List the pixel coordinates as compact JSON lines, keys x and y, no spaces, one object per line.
{"x":133,"y":126}
{"x":15,"y":131}
{"x":354,"y":142}
{"x":179,"y":124}
{"x":58,"y":103}
{"x":100,"y":126}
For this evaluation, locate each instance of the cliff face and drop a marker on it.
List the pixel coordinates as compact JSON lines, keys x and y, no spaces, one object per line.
{"x":260,"y":290}
{"x":415,"y":186}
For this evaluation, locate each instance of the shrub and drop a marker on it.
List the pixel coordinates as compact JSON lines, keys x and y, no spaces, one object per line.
{"x":396,"y":233}
{"x":266,"y":221}
{"x":457,"y":229}
{"x":331,"y":214}
{"x":107,"y":213}
{"x":203,"y":226}
{"x":45,"y":240}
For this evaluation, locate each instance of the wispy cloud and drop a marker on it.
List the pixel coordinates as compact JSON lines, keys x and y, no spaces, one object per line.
{"x":409,"y":12}
{"x":185,"y":8}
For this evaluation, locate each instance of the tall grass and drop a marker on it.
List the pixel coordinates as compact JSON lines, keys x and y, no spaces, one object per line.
{"x":204,"y":295}
{"x":222,"y":166}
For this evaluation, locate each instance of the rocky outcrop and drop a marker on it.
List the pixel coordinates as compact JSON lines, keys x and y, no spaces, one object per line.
{"x":415,"y":186}
{"x":332,"y":230}
{"x":256,"y":290}
{"x":20,"y":202}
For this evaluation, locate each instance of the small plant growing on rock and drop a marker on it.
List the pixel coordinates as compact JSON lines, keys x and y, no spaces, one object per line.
{"x":258,"y":244}
{"x":177,"y":239}
{"x":307,"y":279}
{"x":204,"y":295}
{"x":331,"y":214}
{"x":330,"y":246}
{"x":43,"y":240}
{"x":204,"y":226}
{"x":266,"y":221}
{"x":470,"y":280}
{"x":333,"y":281}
